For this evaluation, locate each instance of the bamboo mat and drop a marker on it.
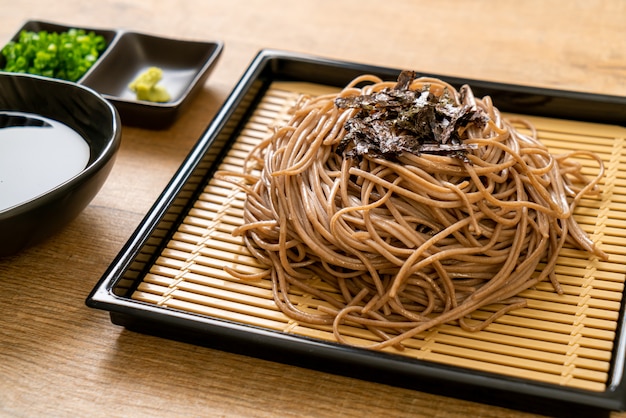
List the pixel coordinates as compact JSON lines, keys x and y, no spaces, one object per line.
{"x":560,"y":339}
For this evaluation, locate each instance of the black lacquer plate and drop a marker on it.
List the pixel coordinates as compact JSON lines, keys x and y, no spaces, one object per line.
{"x":112,"y":293}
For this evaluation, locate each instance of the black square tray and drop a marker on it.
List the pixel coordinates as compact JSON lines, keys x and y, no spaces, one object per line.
{"x":112,"y":293}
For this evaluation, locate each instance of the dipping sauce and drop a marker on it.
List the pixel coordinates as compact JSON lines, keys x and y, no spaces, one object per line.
{"x":37,"y":154}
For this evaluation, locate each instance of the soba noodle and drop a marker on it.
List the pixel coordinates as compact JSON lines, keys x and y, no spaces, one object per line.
{"x":403,"y":244}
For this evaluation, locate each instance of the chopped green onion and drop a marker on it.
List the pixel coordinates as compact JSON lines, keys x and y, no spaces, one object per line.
{"x":64,"y":55}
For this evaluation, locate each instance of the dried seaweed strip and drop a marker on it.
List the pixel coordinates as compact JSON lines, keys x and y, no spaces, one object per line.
{"x":399,"y":119}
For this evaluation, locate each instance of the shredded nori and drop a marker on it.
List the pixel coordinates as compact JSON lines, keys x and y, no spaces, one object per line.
{"x":396,"y":120}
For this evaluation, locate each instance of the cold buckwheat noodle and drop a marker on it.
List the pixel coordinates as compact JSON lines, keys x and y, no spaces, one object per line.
{"x":398,"y":245}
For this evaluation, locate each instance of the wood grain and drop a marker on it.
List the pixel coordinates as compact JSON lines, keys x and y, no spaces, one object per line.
{"x":59,"y":358}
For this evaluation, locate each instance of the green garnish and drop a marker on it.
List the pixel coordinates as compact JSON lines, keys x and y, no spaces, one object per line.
{"x":63,"y":55}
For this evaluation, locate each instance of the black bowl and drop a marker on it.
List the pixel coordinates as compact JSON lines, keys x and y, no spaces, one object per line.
{"x":90,"y":115}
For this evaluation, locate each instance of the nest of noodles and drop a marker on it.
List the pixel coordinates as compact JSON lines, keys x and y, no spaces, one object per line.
{"x":412,"y":236}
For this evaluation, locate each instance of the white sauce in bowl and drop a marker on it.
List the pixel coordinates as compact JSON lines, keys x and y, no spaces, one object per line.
{"x":36,"y":159}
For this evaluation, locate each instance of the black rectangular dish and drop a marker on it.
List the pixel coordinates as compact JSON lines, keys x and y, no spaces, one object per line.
{"x":114,"y":291}
{"x":185,"y":65}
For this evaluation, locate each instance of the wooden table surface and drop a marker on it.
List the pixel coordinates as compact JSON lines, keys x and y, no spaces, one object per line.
{"x":60,"y":358}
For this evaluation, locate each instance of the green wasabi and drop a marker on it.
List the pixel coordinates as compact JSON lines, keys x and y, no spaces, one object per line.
{"x":146,"y":86}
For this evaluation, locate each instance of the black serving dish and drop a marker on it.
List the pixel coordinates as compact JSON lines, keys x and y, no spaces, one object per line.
{"x":112,"y":293}
{"x":185,"y":64}
{"x":87,"y":113}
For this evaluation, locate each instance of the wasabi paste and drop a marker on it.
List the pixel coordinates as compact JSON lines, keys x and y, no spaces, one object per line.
{"x":146,"y":87}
